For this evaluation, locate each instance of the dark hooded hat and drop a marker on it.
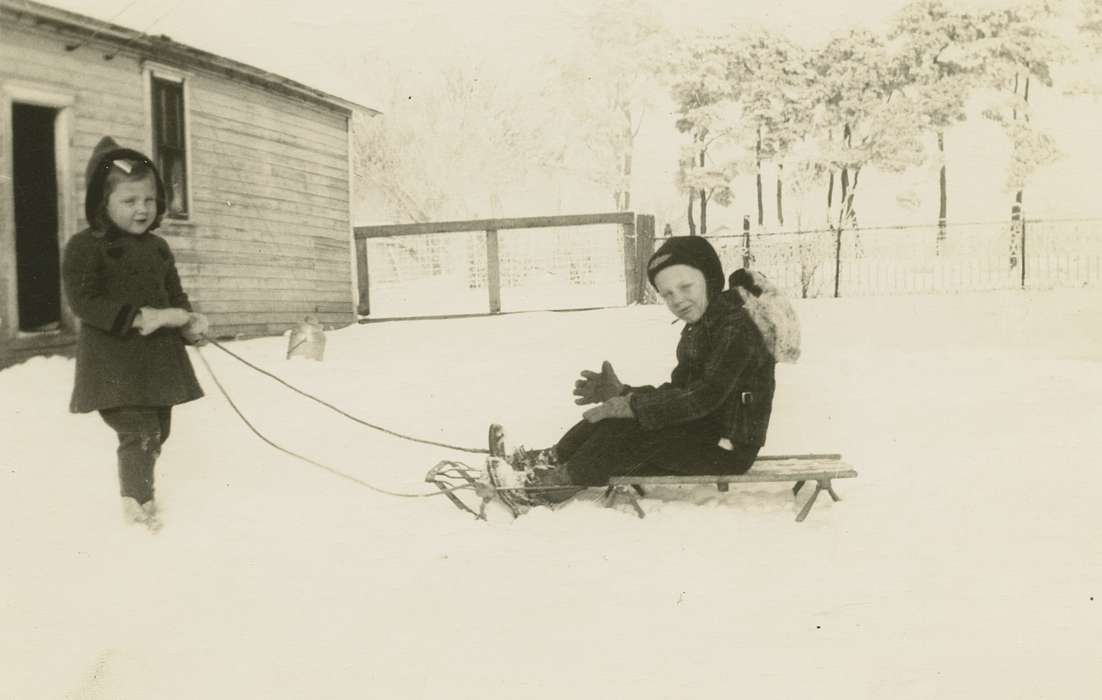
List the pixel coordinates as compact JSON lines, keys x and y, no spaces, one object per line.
{"x":95,"y":176}
{"x":694,"y":251}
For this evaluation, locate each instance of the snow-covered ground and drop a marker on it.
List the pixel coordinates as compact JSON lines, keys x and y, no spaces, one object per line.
{"x":964,"y":562}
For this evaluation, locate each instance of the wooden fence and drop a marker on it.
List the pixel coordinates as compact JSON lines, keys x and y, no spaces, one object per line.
{"x":637,"y":235}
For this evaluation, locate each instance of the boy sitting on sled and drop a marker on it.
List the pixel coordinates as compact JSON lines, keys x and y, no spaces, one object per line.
{"x":710,"y":418}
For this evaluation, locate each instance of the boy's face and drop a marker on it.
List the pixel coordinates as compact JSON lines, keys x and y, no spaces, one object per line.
{"x":684,"y":290}
{"x":132,"y":205}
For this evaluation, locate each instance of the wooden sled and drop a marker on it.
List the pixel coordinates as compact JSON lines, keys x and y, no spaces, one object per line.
{"x":820,"y":468}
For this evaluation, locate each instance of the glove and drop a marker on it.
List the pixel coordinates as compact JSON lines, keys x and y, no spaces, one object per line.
{"x":195,"y":331}
{"x":149,"y":319}
{"x":616,"y":407}
{"x":595,"y":388}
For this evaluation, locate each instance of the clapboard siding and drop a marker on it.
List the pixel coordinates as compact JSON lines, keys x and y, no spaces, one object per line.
{"x":254,"y":134}
{"x":254,"y":171}
{"x":268,"y":124}
{"x":304,"y":122}
{"x":217,"y":286}
{"x":263,"y":306}
{"x":42,"y":55}
{"x":245,"y":215}
{"x":279,"y":274}
{"x":229,"y":251}
{"x":271,"y":200}
{"x":244,"y":145}
{"x":254,"y":176}
{"x":229,"y":227}
{"x":209,"y":296}
{"x":268,"y":236}
{"x":273,"y":265}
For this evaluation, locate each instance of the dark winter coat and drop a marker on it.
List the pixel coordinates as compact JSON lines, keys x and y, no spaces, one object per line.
{"x":724,"y":371}
{"x":109,"y":275}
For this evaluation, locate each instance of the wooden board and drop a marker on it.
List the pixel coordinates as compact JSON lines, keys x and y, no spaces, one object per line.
{"x":784,"y":469}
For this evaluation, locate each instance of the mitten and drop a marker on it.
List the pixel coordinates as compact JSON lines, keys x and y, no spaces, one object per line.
{"x":196,"y":329}
{"x":616,"y":407}
{"x":149,"y":319}
{"x":597,"y":388}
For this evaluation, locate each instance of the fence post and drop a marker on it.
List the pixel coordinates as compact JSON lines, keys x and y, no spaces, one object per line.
{"x":363,"y":308}
{"x":629,"y":232}
{"x":644,"y":248}
{"x":1017,"y":239}
{"x":746,"y":257}
{"x":837,"y":259}
{"x":493,"y":271}
{"x":1023,"y":227}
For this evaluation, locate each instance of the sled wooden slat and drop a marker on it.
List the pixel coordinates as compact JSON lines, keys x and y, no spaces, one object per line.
{"x":820,"y":468}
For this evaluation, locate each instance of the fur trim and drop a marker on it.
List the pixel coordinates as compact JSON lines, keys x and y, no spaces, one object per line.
{"x":771,"y":312}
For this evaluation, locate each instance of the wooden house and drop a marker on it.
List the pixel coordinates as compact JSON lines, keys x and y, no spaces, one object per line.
{"x":257,"y":167}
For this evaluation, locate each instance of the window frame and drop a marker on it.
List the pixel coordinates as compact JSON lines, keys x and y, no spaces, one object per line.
{"x":151,"y":72}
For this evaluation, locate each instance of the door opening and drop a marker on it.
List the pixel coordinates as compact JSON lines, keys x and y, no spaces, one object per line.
{"x":37,"y":243}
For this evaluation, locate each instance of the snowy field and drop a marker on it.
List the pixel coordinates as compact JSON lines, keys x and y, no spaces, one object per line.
{"x":964,"y":562}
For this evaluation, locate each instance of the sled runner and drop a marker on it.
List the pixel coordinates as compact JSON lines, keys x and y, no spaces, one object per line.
{"x":820,"y":468}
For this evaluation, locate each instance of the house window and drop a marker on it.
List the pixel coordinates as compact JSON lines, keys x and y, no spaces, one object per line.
{"x":170,"y":144}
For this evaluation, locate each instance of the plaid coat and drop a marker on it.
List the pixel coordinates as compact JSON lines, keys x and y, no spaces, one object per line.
{"x":724,"y":372}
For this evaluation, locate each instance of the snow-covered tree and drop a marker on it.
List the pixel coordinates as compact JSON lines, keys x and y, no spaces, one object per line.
{"x":701,"y":90}
{"x":1016,"y":47}
{"x":864,"y":118}
{"x":770,"y":81}
{"x":936,"y":45}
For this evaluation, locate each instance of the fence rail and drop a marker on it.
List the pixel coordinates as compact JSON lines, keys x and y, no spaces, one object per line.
{"x":453,"y":267}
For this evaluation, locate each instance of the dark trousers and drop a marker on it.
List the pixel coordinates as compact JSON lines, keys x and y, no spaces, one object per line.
{"x":593,"y":452}
{"x":142,"y":430}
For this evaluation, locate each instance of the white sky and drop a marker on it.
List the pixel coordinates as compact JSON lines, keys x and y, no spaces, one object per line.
{"x":344,"y":47}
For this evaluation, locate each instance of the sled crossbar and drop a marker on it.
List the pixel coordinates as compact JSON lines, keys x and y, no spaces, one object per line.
{"x":820,"y":468}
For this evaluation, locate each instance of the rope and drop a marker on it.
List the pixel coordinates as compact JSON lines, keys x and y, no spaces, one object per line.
{"x":347,"y":415}
{"x":442,"y":492}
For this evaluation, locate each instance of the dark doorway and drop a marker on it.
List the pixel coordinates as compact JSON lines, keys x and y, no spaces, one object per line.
{"x":37,"y":247}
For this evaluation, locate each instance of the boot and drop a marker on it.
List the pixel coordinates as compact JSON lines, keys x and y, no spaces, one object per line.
{"x":528,"y":459}
{"x":152,"y":519}
{"x":133,"y":512}
{"x":549,"y":484}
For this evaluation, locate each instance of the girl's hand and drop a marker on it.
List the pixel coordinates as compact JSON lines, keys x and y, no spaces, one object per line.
{"x":195,"y":331}
{"x":149,"y":319}
{"x":616,"y":407}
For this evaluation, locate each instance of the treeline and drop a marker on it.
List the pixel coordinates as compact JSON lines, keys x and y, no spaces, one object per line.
{"x":824,"y":115}
{"x":821,"y":117}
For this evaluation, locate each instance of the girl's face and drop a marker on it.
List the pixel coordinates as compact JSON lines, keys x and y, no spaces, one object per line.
{"x":684,"y":290}
{"x":132,"y":205}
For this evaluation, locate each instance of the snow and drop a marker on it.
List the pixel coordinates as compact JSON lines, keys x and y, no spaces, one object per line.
{"x":963,"y":562}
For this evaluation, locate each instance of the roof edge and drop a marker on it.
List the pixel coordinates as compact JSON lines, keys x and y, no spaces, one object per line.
{"x":163,"y":49}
